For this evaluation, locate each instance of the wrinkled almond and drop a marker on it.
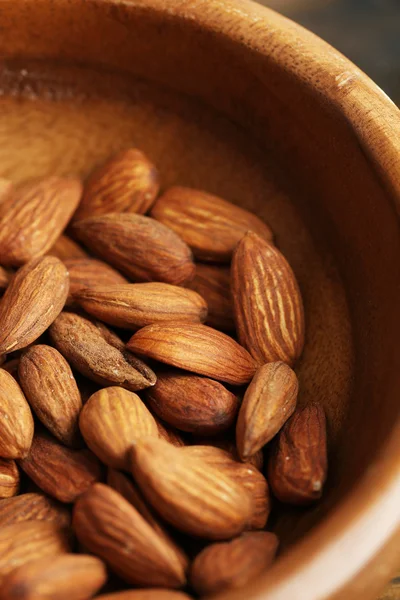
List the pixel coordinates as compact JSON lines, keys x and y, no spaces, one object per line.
{"x":23,"y":542}
{"x":124,"y":486}
{"x":59,"y":471}
{"x":110,"y":420}
{"x":5,"y":277}
{"x":114,"y":530}
{"x":268,"y":402}
{"x":267,"y":302}
{"x":33,"y":507}
{"x":247,"y":475}
{"x":128,"y":182}
{"x":90,"y":272}
{"x":189,"y":493}
{"x":35,"y":296}
{"x":191,"y":403}
{"x":195,"y":347}
{"x":168,"y":434}
{"x":16,"y":426}
{"x":50,"y":387}
{"x":210,"y":225}
{"x":34,"y":216}
{"x":213,"y":283}
{"x":93,"y":351}
{"x":65,"y":248}
{"x":9,"y":478}
{"x":153,"y":594}
{"x":229,"y":445}
{"x":140,"y":247}
{"x":233,"y":564}
{"x":298,"y":463}
{"x":64,"y":577}
{"x":138,"y":304}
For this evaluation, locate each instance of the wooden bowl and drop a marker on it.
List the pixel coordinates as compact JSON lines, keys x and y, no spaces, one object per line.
{"x":230,"y":97}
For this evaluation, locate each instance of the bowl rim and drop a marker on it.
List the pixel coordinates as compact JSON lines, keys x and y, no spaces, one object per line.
{"x":325,"y":564}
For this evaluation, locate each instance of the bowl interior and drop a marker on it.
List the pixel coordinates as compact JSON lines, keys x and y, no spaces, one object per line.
{"x":261,"y":139}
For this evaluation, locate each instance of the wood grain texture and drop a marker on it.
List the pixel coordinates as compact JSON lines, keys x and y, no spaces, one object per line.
{"x":328,"y":187}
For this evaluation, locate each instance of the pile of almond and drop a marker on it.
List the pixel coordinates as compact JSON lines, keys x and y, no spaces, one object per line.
{"x":148,"y":416}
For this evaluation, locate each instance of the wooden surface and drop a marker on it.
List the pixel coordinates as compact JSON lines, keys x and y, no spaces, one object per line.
{"x":249,"y":106}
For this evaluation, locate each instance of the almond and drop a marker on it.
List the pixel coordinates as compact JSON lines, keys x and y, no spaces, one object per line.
{"x":229,"y":565}
{"x":6,"y":188}
{"x":140,"y":247}
{"x":33,"y":217}
{"x":63,"y":577}
{"x":195,"y":347}
{"x":135,"y":305}
{"x":213,"y":283}
{"x":114,"y":530}
{"x":210,"y":225}
{"x":191,"y":403}
{"x":5,"y":277}
{"x":93,"y":351}
{"x":35,"y":296}
{"x":65,"y":248}
{"x":128,"y":182}
{"x":257,"y":460}
{"x":21,"y":543}
{"x":298,"y":463}
{"x":110,"y":420}
{"x":9,"y":478}
{"x":16,"y":426}
{"x":60,"y":472}
{"x":267,"y":302}
{"x":245,"y":474}
{"x":88,"y":272}
{"x":153,"y":594}
{"x":51,"y":389}
{"x":169,"y":435}
{"x":33,"y":507}
{"x":268,"y":402}
{"x":11,"y":366}
{"x":124,"y":486}
{"x":187,"y":492}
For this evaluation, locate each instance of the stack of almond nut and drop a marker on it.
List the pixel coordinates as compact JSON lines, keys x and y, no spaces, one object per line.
{"x":133,"y":435}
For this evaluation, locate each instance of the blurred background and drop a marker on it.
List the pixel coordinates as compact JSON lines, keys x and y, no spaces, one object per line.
{"x":366,"y":31}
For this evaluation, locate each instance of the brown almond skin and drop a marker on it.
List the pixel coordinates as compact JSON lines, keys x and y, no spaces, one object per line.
{"x":110,"y":420}
{"x":267,"y":303}
{"x":90,"y":272}
{"x":61,"y":578}
{"x":34,"y":216}
{"x":128,"y":182}
{"x":191,"y":403}
{"x":52,"y":392}
{"x":268,"y":402}
{"x":5,"y":277}
{"x":197,"y":348}
{"x":62,"y":473}
{"x":257,"y":460}
{"x":65,"y":248}
{"x":34,"y":298}
{"x":16,"y":427}
{"x":97,"y":353}
{"x":20,"y":543}
{"x":243,"y":473}
{"x":297,"y":466}
{"x":124,"y":486}
{"x":9,"y":478}
{"x":114,"y":530}
{"x":33,"y":507}
{"x":135,"y":305}
{"x":210,"y":225}
{"x":213,"y":283}
{"x":140,"y":247}
{"x":233,"y":564}
{"x":169,"y":435}
{"x":154,"y":594}
{"x":189,"y":493}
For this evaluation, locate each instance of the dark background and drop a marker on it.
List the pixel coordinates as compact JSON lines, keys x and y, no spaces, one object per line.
{"x":366,"y":31}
